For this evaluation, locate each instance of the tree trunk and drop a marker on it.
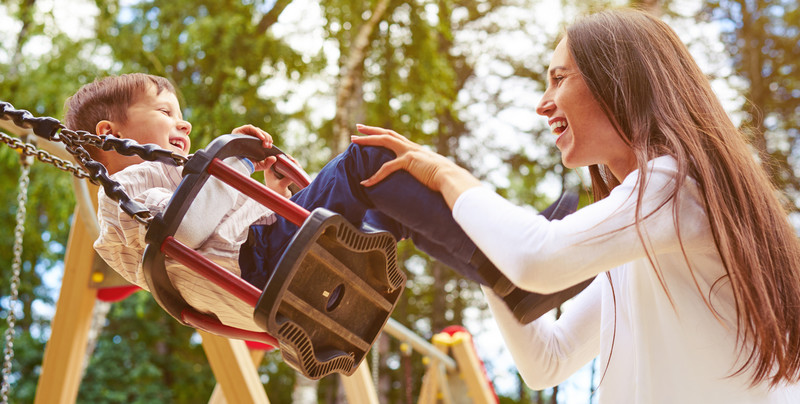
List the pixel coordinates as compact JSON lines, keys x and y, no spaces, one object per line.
{"x":26,"y":16}
{"x":756,"y":94}
{"x":348,"y":95}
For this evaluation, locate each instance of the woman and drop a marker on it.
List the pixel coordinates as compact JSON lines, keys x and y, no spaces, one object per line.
{"x":700,"y":300}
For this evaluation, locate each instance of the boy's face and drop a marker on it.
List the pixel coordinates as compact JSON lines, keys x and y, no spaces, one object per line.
{"x":153,"y":118}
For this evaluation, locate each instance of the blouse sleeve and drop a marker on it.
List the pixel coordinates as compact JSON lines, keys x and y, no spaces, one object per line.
{"x":546,"y":257}
{"x":548,"y":351}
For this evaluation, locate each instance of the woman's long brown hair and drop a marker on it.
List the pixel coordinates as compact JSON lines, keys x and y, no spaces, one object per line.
{"x":650,"y":86}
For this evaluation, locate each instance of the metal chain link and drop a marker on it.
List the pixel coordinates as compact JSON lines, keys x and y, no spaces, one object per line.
{"x":19,"y":231}
{"x":74,"y":142}
{"x":28,"y":149}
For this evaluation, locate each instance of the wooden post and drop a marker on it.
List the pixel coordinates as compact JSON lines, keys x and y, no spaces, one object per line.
{"x":66,"y":349}
{"x":471,"y":368}
{"x":217,"y":396}
{"x":233,"y":367}
{"x":359,"y":387}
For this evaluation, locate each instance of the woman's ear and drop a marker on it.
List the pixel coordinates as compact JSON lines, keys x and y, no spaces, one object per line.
{"x":105,"y":127}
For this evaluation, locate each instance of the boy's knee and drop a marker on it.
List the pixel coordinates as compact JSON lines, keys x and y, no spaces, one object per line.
{"x":369,"y":157}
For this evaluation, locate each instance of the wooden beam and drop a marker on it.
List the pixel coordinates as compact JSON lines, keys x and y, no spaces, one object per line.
{"x":359,"y":388}
{"x":217,"y":396}
{"x":66,"y":349}
{"x":233,"y":367}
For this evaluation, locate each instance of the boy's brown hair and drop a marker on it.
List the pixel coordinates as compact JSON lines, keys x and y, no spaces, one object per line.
{"x":108,"y":98}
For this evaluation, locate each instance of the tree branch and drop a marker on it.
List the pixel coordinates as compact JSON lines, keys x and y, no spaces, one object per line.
{"x":271,"y":17}
{"x":352,"y":70}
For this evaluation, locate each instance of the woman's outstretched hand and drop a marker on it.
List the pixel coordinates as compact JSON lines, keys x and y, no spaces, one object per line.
{"x":431,"y":169}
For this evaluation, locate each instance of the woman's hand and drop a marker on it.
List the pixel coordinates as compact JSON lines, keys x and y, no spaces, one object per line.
{"x":431,"y":169}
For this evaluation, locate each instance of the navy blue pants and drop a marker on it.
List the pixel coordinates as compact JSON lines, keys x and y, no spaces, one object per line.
{"x":399,"y":204}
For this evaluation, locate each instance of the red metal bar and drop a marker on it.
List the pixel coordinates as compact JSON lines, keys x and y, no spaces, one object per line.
{"x":213,"y":326}
{"x":211,"y":271}
{"x":260,"y":193}
{"x":289,"y":169}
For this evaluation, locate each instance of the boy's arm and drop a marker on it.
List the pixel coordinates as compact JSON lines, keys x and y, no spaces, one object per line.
{"x":210,"y":206}
{"x":122,"y":239}
{"x":271,"y":180}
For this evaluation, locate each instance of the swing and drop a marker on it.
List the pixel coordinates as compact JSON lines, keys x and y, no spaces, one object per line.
{"x":332,"y":291}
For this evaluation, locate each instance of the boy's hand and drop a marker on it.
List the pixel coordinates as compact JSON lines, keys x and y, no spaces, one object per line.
{"x":266,"y":138}
{"x":279,"y":185}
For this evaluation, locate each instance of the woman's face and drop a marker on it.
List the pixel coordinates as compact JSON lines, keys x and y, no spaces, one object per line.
{"x":585,"y":134}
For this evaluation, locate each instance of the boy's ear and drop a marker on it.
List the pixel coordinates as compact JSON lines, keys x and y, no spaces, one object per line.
{"x":105,"y":127}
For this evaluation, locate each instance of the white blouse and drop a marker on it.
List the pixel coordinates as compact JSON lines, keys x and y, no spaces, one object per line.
{"x":662,"y":347}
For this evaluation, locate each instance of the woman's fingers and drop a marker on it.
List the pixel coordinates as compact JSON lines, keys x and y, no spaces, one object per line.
{"x":375,"y":130}
{"x":411,"y":157}
{"x":386,"y":169}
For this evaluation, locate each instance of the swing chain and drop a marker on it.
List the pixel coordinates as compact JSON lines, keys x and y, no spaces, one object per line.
{"x":19,"y":231}
{"x":28,"y":149}
{"x":74,"y":142}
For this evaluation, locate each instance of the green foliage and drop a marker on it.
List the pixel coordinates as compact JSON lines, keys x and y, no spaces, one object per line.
{"x":135,"y":358}
{"x":419,"y":77}
{"x":217,"y":54}
{"x":761,"y":38}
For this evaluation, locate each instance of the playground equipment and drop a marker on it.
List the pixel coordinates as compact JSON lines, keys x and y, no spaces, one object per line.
{"x":229,"y":359}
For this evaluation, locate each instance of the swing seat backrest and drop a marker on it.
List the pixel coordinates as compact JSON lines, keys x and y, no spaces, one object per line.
{"x":331,"y":294}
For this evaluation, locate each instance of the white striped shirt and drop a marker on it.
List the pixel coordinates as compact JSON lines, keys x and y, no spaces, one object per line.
{"x":215,"y":225}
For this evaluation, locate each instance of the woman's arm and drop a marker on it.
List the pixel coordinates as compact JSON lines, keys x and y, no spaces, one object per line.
{"x":548,"y":351}
{"x":546,"y":257}
{"x":542,"y":256}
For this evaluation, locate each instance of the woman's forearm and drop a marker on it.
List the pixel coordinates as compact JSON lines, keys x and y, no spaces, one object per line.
{"x":453,"y":181}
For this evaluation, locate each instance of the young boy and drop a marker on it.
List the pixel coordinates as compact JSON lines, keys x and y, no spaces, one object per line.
{"x":233,"y":230}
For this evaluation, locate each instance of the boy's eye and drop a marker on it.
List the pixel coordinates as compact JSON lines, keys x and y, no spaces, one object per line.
{"x":165,"y":111}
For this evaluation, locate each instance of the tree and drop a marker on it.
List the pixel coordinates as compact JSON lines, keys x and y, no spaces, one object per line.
{"x":761,"y":38}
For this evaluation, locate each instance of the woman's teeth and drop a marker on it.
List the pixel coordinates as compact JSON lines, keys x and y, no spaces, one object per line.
{"x":558,"y":126}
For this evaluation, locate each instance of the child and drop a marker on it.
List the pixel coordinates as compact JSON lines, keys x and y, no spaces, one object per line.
{"x":233,"y":230}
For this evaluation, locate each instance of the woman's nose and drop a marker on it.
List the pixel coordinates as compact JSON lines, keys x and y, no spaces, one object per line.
{"x":546,"y":106}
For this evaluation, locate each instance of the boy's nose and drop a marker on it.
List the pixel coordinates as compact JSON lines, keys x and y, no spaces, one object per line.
{"x":184,"y":126}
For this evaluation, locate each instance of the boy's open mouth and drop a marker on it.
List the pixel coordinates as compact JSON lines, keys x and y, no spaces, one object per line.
{"x":177,"y":142}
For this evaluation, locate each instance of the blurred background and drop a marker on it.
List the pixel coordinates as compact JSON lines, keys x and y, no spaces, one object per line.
{"x":462,"y":76}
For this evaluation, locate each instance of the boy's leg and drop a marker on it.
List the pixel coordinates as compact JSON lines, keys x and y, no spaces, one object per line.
{"x":406,"y":208}
{"x":400,"y":204}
